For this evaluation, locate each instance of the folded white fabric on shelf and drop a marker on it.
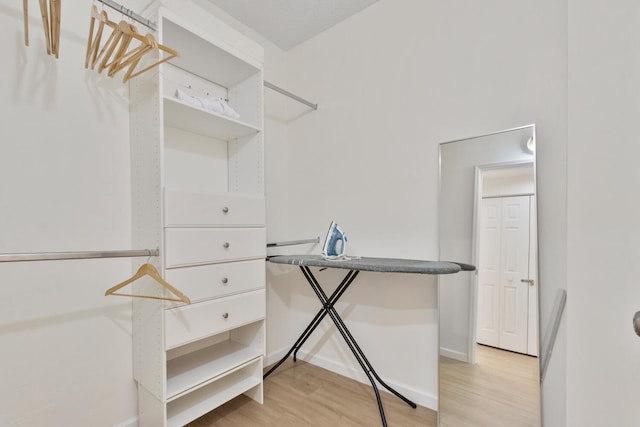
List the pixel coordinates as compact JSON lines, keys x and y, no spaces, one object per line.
{"x":216,"y":105}
{"x":182,"y":96}
{"x":228,"y":111}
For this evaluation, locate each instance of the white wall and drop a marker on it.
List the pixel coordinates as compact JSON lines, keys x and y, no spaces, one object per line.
{"x":64,"y":186}
{"x":603,"y":353}
{"x":392,"y":82}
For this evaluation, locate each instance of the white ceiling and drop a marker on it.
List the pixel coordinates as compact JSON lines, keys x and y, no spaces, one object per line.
{"x":288,"y":23}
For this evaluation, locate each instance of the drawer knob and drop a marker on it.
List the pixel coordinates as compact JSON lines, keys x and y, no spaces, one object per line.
{"x":226,"y":245}
{"x":225,"y":316}
{"x":225,"y":280}
{"x":225,"y":210}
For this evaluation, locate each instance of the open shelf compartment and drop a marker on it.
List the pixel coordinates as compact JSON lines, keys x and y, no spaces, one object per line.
{"x":246,"y":379}
{"x":202,"y":55}
{"x":197,"y":364}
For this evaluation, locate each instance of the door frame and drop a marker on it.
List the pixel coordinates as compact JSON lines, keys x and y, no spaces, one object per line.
{"x":475,"y":247}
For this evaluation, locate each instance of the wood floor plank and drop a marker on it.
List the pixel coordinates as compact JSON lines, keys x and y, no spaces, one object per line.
{"x":500,"y":390}
{"x":303,"y":395}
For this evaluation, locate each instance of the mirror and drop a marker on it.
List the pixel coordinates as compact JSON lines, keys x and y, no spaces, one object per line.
{"x":489,"y":369}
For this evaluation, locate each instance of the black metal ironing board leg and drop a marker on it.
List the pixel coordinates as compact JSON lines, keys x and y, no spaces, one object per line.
{"x":335,"y":296}
{"x":328,"y":308}
{"x":314,"y":323}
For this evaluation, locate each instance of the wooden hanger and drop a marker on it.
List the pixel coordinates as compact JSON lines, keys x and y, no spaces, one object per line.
{"x":90,"y":40}
{"x":171,"y":54}
{"x":115,"y":54}
{"x":131,"y":58}
{"x":149,"y":270}
{"x":129,"y":33}
{"x":123,"y":56}
{"x":50,"y":13}
{"x":110,"y":45}
{"x":134,"y":57}
{"x":54,"y":7}
{"x":95,"y":38}
{"x":25,"y":11}
{"x":98,"y":53}
{"x":45,"y":23}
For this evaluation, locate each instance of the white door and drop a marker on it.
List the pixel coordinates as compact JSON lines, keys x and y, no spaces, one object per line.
{"x":503,"y":298}
{"x":488,"y":329}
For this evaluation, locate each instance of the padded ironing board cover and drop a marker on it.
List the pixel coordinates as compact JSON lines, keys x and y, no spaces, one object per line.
{"x":386,"y":265}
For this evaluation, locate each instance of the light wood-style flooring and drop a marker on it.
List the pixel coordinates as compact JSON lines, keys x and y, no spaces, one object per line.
{"x":500,"y":390}
{"x":303,"y":395}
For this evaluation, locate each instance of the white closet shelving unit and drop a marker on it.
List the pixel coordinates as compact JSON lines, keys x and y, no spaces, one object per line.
{"x":198,"y":195}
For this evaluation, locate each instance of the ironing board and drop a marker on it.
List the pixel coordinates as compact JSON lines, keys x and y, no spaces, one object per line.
{"x":355,"y":266}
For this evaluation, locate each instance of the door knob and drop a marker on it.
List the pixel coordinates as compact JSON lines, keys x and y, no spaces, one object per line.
{"x":529,"y":281}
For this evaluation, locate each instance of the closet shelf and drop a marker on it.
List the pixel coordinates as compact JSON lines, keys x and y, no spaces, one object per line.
{"x":199,"y":402}
{"x":199,"y":51}
{"x":197,"y":120}
{"x":205,"y":365}
{"x":190,"y":359}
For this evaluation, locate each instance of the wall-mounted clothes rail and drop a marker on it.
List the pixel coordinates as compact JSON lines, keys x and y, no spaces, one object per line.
{"x":293,"y":242}
{"x":131,"y":14}
{"x":50,"y":256}
{"x":290,"y":95}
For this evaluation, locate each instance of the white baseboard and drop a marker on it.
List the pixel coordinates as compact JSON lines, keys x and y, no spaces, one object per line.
{"x":417,"y":396}
{"x":131,"y":422}
{"x":456,"y":355}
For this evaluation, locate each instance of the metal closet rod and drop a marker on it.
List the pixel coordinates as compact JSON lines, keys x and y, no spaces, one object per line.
{"x":49,"y":256}
{"x":290,"y":95}
{"x":130,"y":13}
{"x":294,"y":242}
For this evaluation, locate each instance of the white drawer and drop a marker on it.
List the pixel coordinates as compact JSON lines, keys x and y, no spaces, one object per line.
{"x":197,"y":209}
{"x":216,"y":280}
{"x":195,"y":321}
{"x":193,"y":246}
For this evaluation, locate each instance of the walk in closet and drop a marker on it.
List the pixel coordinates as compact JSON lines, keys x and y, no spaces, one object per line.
{"x":198,"y":195}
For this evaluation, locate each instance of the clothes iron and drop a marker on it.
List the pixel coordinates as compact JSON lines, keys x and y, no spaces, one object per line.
{"x":335,"y":245}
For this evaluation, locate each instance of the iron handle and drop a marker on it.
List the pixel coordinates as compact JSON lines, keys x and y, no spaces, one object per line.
{"x":226,"y":245}
{"x":225,"y":210}
{"x":225,"y":316}
{"x":636,"y":323}
{"x":529,"y":281}
{"x":225,"y":280}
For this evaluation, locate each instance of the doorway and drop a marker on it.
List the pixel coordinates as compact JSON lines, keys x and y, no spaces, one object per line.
{"x":507,"y":306}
